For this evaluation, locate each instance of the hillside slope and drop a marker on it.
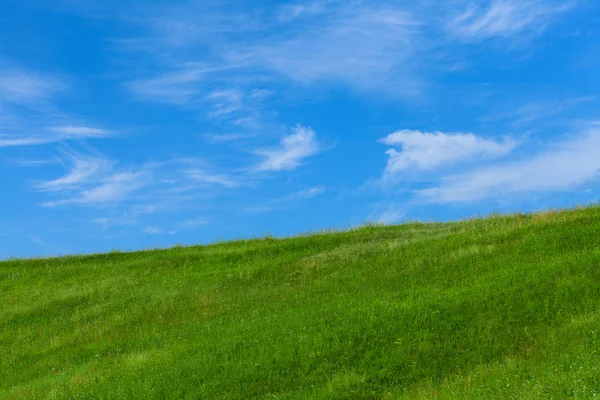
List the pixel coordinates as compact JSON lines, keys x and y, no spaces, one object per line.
{"x":502,"y":307}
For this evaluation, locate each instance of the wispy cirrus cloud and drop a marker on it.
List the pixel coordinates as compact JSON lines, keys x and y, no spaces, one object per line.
{"x":53,"y":135}
{"x":194,"y":223}
{"x":184,"y":83}
{"x":70,"y":131}
{"x":106,"y":223}
{"x":293,"y":149}
{"x":112,"y":188}
{"x":225,"y":102}
{"x":543,"y":111}
{"x":286,"y":201}
{"x":28,"y":116}
{"x":81,"y":169}
{"x":53,"y":248}
{"x":222,"y":93}
{"x":365,"y":47}
{"x":290,"y":12}
{"x":204,"y":177}
{"x":12,"y":141}
{"x":351,"y":43}
{"x":190,"y":224}
{"x":381,"y":47}
{"x":93,"y":180}
{"x":155,"y":230}
{"x":129,"y":216}
{"x":387,"y":213}
{"x":506,"y":18}
{"x":560,"y":167}
{"x":25,"y":88}
{"x":217,"y":138}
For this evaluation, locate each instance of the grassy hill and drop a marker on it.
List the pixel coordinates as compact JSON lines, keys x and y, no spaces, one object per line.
{"x":502,"y":307}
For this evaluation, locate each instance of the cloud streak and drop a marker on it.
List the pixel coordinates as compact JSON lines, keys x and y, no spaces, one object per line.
{"x":505,"y":18}
{"x":82,"y":168}
{"x":284,"y":202}
{"x":54,"y":135}
{"x":292,"y":151}
{"x":562,"y":167}
{"x":206,"y":45}
{"x":182,"y":85}
{"x":49,"y":246}
{"x":21,"y":87}
{"x":203,"y":177}
{"x":93,"y":180}
{"x":364,"y":47}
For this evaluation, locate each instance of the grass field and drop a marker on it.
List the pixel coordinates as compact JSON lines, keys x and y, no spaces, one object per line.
{"x":501,"y":307}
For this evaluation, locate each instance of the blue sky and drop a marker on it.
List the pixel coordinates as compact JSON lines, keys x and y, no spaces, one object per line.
{"x":137,"y":124}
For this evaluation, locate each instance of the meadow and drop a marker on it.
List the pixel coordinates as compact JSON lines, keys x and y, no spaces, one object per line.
{"x":493,"y":308}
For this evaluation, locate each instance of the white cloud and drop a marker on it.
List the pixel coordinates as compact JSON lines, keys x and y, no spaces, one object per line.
{"x":562,"y":167}
{"x":214,"y":91}
{"x":186,"y":225}
{"x":426,"y":151}
{"x":153,"y":230}
{"x":293,"y":149}
{"x":225,"y":102}
{"x":504,"y":18}
{"x":537,"y":113}
{"x":194,"y":223}
{"x":357,"y":45}
{"x":301,"y":195}
{"x":176,"y":87}
{"x":261,"y":94}
{"x":12,"y":141}
{"x":22,"y":87}
{"x":83,"y":168}
{"x":35,"y":163}
{"x":284,"y":202}
{"x":202,"y":176}
{"x":384,"y":46}
{"x":179,"y":86}
{"x":387,"y":214}
{"x":215,"y":138}
{"x":140,"y":209}
{"x":112,"y":189}
{"x":106,"y":223}
{"x":43,"y":243}
{"x":93,"y":180}
{"x":80,"y":132}
{"x":54,"y":135}
{"x":290,"y":12}
{"x":28,"y":115}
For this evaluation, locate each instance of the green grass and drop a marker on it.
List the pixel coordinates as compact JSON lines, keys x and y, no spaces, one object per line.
{"x":502,"y":307}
